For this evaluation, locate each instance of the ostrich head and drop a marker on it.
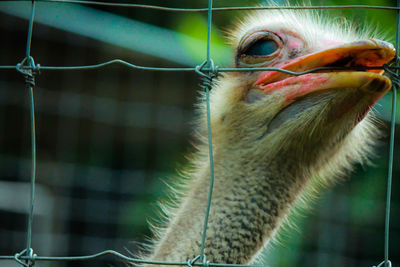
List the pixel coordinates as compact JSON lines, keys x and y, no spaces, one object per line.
{"x":273,"y":132}
{"x":307,"y":120}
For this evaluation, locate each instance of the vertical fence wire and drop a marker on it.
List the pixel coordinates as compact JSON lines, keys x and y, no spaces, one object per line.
{"x":391,"y":147}
{"x":211,"y":155}
{"x":30,"y":86}
{"x":390,"y":173}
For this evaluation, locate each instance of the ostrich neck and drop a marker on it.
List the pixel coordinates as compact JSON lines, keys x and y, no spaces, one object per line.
{"x":250,"y":199}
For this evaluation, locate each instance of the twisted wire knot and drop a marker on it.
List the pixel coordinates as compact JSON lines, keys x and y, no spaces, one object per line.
{"x":29,"y":261}
{"x":208,"y":71}
{"x":29,"y":69}
{"x":394,"y":76}
{"x":190,"y":262}
{"x":205,"y":262}
{"x":384,"y":264}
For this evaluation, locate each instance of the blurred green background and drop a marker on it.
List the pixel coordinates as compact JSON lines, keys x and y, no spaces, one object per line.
{"x":109,"y":139}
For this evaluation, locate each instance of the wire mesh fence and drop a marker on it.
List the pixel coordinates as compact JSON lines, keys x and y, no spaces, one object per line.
{"x":207,"y":70}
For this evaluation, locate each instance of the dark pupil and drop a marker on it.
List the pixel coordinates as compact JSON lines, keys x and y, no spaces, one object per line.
{"x":262,"y":48}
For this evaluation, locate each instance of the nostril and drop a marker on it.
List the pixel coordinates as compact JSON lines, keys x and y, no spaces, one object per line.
{"x":381,"y":43}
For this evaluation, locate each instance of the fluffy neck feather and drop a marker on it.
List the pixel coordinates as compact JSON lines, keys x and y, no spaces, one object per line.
{"x":250,"y":198}
{"x":253,"y":192}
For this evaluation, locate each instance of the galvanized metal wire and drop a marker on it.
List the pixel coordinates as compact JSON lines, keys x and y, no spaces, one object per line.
{"x":206,"y":9}
{"x":207,"y":87}
{"x":204,"y":68}
{"x":386,"y":261}
{"x":208,"y":71}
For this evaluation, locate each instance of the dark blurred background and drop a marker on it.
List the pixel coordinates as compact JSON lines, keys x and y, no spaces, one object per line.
{"x":108,"y":139}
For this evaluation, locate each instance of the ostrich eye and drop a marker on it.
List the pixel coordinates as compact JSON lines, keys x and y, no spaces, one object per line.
{"x":258,"y":48}
{"x":262,"y":48}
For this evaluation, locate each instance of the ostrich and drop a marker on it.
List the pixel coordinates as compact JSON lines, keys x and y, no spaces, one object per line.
{"x":276,"y":137}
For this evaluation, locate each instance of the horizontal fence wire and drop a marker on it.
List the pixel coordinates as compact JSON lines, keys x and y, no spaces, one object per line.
{"x":200,"y":67}
{"x":120,"y":256}
{"x":172,"y":9}
{"x":207,"y":70}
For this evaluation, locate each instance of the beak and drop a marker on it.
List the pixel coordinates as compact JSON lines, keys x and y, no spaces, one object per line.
{"x":369,"y":53}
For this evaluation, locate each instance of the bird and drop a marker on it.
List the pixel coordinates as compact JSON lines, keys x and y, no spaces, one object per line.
{"x":277,"y":138}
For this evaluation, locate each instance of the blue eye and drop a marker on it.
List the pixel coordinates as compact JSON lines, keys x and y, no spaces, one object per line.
{"x":262,"y":47}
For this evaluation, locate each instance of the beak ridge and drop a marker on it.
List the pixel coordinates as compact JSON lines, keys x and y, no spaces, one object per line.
{"x":366,"y":53}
